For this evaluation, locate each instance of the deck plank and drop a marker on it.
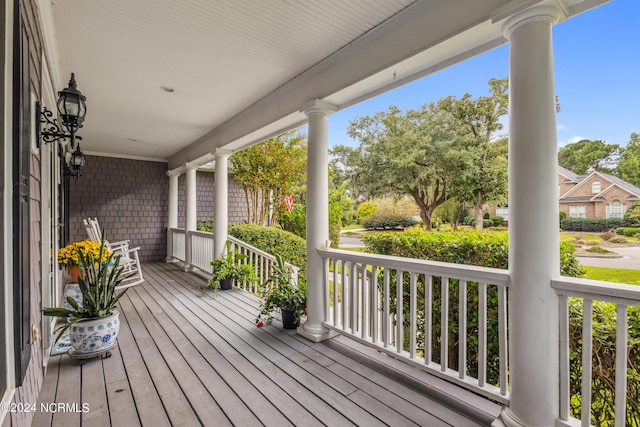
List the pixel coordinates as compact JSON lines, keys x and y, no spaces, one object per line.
{"x":255,"y":389}
{"x":47,"y":393}
{"x":203,"y":361}
{"x":186,"y":359}
{"x":122,"y":408}
{"x":151,"y":411}
{"x":94,"y":395}
{"x":175,"y":402}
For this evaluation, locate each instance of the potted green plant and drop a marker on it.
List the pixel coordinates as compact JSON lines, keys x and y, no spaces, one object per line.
{"x":229,"y":268}
{"x":93,"y":325}
{"x":280,"y":293}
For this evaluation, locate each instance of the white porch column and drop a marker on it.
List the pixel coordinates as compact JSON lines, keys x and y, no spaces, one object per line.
{"x":317,"y":217}
{"x":533,"y":221}
{"x":221,"y":203}
{"x":191,"y":212}
{"x":173,"y":211}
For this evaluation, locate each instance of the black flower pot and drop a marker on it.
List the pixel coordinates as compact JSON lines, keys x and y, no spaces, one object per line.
{"x":289,"y":319}
{"x":226,"y":284}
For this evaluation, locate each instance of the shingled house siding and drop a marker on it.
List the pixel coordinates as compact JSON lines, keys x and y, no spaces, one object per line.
{"x":130,"y":200}
{"x":28,"y":392}
{"x":205,"y":184}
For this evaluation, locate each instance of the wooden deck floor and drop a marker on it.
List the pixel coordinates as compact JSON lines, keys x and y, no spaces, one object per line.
{"x":186,"y":360}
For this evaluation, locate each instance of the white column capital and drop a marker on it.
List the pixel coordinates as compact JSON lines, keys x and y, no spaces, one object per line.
{"x":174,"y":173}
{"x":192,"y":165}
{"x":223,"y":152}
{"x":318,"y":106}
{"x":549,"y":13}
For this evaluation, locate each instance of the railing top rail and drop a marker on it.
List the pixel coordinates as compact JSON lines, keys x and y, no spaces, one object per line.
{"x":493,"y":276}
{"x":597,"y":290}
{"x":177,"y":230}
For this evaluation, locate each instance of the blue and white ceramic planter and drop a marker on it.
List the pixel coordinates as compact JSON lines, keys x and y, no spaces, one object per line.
{"x":95,"y":335}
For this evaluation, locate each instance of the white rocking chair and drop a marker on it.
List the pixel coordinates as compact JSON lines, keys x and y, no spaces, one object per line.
{"x":129,"y":260}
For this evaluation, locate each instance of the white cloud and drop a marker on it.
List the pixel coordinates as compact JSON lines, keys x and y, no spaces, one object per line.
{"x":560,"y":126}
{"x":571,"y":140}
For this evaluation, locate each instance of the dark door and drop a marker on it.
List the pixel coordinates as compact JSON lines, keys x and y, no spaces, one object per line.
{"x":20,"y":193}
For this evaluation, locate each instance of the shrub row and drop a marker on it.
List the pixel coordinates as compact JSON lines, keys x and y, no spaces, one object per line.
{"x":471,"y":248}
{"x":590,"y":224}
{"x":387,"y":221}
{"x":491,"y":250}
{"x":292,"y":248}
{"x":486,"y":222}
{"x":628,"y":231}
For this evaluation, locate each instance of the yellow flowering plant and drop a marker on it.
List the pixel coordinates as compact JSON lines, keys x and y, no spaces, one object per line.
{"x":70,"y":254}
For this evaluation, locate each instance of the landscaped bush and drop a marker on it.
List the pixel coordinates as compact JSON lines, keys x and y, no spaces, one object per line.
{"x":628,"y":231}
{"x":590,"y":224}
{"x":365,"y":210}
{"x":491,"y":250}
{"x":632,"y":216}
{"x":292,"y":248}
{"x":497,"y":220}
{"x":604,"y":362}
{"x":205,"y":226}
{"x":295,"y":221}
{"x":469,"y":220}
{"x":387,"y":221}
{"x":618,"y":240}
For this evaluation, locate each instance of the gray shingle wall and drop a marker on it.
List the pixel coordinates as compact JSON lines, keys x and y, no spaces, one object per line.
{"x":205,"y":197}
{"x":130,"y":200}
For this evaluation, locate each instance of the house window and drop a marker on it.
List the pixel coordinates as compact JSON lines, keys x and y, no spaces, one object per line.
{"x":596,"y":187}
{"x":503,"y":211}
{"x":616,"y":209}
{"x":577,"y":212}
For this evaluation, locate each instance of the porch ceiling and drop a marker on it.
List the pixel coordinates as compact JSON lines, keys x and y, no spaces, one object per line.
{"x":241,"y":70}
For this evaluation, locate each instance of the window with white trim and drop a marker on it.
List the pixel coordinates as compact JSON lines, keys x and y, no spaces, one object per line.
{"x":596,"y":187}
{"x":615,"y":209}
{"x":503,"y":211}
{"x":577,"y":211}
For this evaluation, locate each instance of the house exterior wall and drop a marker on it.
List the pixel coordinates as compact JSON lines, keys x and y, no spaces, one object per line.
{"x":30,"y":388}
{"x":615,"y":193}
{"x":563,"y":187}
{"x":584,"y":189}
{"x":129,"y":198}
{"x":205,"y":191}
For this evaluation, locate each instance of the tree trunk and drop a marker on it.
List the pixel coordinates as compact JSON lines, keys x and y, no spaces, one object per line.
{"x":457,"y":218}
{"x":479,"y":214}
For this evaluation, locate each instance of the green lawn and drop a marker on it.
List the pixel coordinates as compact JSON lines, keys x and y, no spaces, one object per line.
{"x":618,"y":275}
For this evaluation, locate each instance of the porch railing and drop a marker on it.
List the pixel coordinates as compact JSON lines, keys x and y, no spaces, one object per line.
{"x":195,"y":249}
{"x":419,"y":311}
{"x":623,"y":296}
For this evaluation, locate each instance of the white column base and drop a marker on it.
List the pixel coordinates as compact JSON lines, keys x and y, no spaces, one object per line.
{"x":315,"y":334}
{"x":508,"y":419}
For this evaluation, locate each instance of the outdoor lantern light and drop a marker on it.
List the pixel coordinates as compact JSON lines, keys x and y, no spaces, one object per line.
{"x":76,"y":162}
{"x":72,"y":110}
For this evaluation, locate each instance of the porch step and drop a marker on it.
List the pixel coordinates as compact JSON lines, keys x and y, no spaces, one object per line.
{"x":460,"y":400}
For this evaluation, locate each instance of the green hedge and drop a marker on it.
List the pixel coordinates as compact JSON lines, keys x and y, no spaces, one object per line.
{"x":604,"y":362}
{"x":387,"y":221}
{"x":491,"y":250}
{"x":471,"y":248}
{"x":590,"y":224}
{"x":628,"y":231}
{"x":292,"y":248}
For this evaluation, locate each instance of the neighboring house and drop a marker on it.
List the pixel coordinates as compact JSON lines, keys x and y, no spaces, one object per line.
{"x":596,"y":195}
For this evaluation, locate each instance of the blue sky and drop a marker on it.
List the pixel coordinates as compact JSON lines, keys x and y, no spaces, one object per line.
{"x":597,"y":74}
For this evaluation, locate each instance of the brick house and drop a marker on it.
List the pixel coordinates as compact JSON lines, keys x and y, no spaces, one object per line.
{"x":596,"y":195}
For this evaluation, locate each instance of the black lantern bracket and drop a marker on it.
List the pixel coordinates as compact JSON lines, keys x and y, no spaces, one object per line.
{"x":72,"y":110}
{"x":51,"y":131}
